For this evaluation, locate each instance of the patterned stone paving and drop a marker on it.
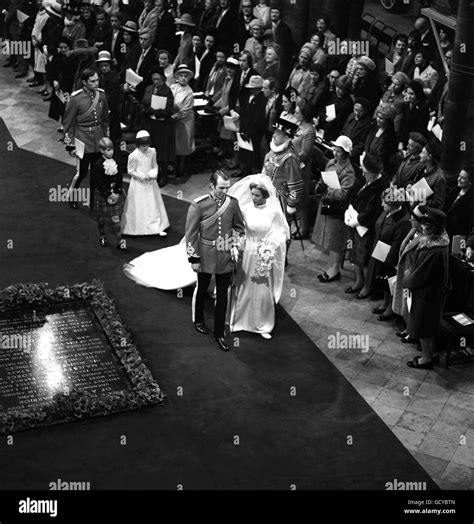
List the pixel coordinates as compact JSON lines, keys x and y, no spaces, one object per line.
{"x":431,"y":412}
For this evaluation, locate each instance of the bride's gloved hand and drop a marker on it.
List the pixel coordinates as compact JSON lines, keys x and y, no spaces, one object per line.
{"x":234,"y":253}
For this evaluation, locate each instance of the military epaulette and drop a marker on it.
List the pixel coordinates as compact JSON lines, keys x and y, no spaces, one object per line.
{"x":76,"y":92}
{"x":198,"y":199}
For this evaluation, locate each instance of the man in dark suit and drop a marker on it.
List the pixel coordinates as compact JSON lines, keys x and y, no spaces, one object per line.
{"x":226,"y":26}
{"x":241,"y":79}
{"x":116,"y":40}
{"x":245,"y":17}
{"x":101,"y":36}
{"x":357,"y":127}
{"x":207,"y":58}
{"x":215,"y":78}
{"x":141,"y":61}
{"x":282,"y":36}
{"x":252,"y":126}
{"x":165,"y":29}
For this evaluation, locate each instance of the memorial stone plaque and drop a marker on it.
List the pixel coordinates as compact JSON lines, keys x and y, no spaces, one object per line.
{"x":45,"y":351}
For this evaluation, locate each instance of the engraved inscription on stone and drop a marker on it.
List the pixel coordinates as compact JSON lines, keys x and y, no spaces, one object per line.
{"x":44,"y":352}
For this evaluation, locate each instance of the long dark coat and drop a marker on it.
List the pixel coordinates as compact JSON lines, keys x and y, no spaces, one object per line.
{"x":460,"y":213}
{"x":390,"y":230}
{"x":427,"y":281}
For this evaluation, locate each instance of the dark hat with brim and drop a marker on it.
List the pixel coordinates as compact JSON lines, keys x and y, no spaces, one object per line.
{"x":286,"y":127}
{"x":432,"y":216}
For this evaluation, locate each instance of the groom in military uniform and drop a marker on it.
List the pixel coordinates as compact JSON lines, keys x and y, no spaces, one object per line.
{"x":86,"y":118}
{"x":214,"y":233}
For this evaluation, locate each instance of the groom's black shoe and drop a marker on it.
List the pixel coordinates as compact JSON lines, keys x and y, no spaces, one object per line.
{"x":222,"y":344}
{"x":201,"y":328}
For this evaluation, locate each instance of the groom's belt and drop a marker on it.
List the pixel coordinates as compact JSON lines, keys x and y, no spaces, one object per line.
{"x":213,"y":243}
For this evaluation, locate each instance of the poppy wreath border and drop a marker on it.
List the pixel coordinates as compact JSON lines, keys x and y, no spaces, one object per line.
{"x":76,"y":404}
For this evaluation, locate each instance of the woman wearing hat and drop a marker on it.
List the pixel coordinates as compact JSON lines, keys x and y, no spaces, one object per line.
{"x":343,"y":104}
{"x":186,"y":25}
{"x":424,"y":72}
{"x":394,"y":95}
{"x":430,"y":157}
{"x":148,"y":18}
{"x":329,"y":231}
{"x":183,"y":116}
{"x":391,"y":228}
{"x":381,"y":140}
{"x":300,"y":77}
{"x":367,"y":204}
{"x":74,"y":29}
{"x":405,"y":262}
{"x":160,"y":123}
{"x":427,"y":282}
{"x":319,"y":56}
{"x":365,"y":83}
{"x":254,"y":45}
{"x":416,"y":113}
{"x":314,"y":94}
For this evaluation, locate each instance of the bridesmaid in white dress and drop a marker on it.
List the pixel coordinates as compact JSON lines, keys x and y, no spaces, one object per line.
{"x":144,"y":211}
{"x":259,"y":288}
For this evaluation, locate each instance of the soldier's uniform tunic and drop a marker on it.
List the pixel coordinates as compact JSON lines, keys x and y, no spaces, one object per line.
{"x":284,"y":170}
{"x":86,"y":118}
{"x":213,"y":227}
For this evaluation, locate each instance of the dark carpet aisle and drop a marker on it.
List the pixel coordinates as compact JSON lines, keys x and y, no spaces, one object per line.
{"x":190,"y":439}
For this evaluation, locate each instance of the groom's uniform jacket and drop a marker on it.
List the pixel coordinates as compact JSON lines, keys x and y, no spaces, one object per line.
{"x":213,"y":227}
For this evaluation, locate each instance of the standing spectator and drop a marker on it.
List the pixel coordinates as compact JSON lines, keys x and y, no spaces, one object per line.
{"x":88,"y":18}
{"x":206,"y":20}
{"x":165,"y":29}
{"x":15,"y":31}
{"x":315,"y":92}
{"x":398,"y":51}
{"x":184,"y":25}
{"x":416,"y":113}
{"x":165,"y":62}
{"x":365,"y":83}
{"x":207,"y":59}
{"x":271,"y":111}
{"x":283,"y":36}
{"x":225,"y":24}
{"x":254,"y":45}
{"x":101,"y":36}
{"x":271,"y":65}
{"x":148,"y":18}
{"x":117,"y":43}
{"x":242,"y":79}
{"x":367,"y":203}
{"x":183,"y":116}
{"x":215,"y":79}
{"x":252,"y":126}
{"x":289,"y":100}
{"x":381,"y":140}
{"x":109,"y":81}
{"x":357,"y":127}
{"x":391,"y":227}
{"x":329,"y":231}
{"x":322,"y":26}
{"x":411,"y":165}
{"x":303,"y":144}
{"x":300,"y":77}
{"x":132,"y":47}
{"x":343,"y":107}
{"x":262,"y":11}
{"x":460,"y":205}
{"x":424,"y":72}
{"x":427,"y":282}
{"x":160,"y":123}
{"x":427,"y":38}
{"x":430,"y":157}
{"x":245,"y":18}
{"x":407,"y":62}
{"x":394,"y":95}
{"x":319,"y":55}
{"x":37,"y":41}
{"x":141,"y":60}
{"x":86,"y":118}
{"x":74,"y":29}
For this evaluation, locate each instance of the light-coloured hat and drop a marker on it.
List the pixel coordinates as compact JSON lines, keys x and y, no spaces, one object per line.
{"x":104,"y":56}
{"x":344,"y":142}
{"x":232,"y":61}
{"x":130,"y":27}
{"x":255,"y":82}
{"x":142,"y":134}
{"x":256,"y":22}
{"x":53,"y":8}
{"x":386,"y":110}
{"x":186,"y":19}
{"x":183,"y":68}
{"x":367,"y":62}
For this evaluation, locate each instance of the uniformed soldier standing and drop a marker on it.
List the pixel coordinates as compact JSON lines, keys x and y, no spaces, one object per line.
{"x":214,"y":233}
{"x":86,"y":118}
{"x":282,"y":165}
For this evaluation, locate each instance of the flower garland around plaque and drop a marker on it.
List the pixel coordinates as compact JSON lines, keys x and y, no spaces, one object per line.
{"x":74,"y":404}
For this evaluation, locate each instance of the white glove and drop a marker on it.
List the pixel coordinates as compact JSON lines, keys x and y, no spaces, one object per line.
{"x":234,"y":253}
{"x":290,"y":210}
